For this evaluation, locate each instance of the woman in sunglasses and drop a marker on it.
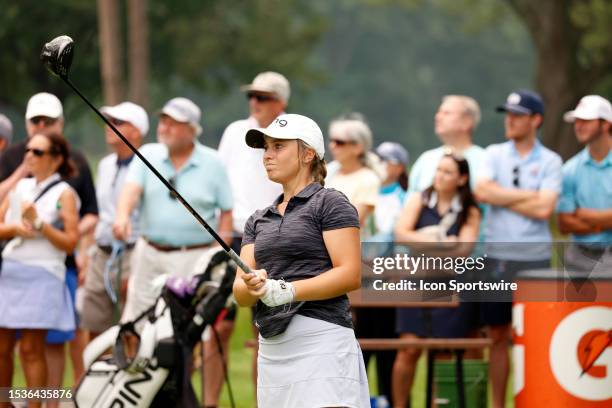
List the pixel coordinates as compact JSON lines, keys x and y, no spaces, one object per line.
{"x":39,"y":220}
{"x":304,"y":249}
{"x":350,"y":141}
{"x":444,"y":218}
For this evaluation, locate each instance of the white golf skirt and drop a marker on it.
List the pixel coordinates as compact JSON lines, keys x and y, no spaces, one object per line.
{"x":312,"y":364}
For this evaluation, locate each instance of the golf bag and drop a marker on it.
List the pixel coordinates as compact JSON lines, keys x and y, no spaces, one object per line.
{"x":159,"y":374}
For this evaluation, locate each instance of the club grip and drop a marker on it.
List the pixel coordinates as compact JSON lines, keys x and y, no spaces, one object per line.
{"x":239,"y":262}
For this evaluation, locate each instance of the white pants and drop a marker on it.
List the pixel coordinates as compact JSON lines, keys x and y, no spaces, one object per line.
{"x":148,"y":263}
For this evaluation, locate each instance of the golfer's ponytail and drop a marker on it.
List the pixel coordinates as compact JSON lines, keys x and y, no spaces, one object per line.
{"x":318,"y":170}
{"x":317,"y":165}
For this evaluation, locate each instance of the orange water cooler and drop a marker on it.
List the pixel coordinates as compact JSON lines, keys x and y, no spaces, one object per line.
{"x":562,"y":352}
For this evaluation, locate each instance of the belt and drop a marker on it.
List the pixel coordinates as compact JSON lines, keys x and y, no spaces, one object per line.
{"x":107,"y":249}
{"x":170,"y":248}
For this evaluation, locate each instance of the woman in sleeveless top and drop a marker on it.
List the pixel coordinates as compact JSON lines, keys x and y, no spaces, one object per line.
{"x":445,"y":213}
{"x":40,"y":218}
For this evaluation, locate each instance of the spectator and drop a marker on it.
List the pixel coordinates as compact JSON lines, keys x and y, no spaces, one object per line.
{"x":444,"y":212}
{"x":40,"y":218}
{"x":350,"y":141}
{"x":44,"y":115}
{"x":585,"y":205}
{"x":6,"y":132}
{"x":171,"y":240}
{"x":455,"y":122}
{"x":132,"y":121}
{"x":268,"y":96}
{"x":392,"y":193}
{"x":306,"y":246}
{"x":520,"y":179}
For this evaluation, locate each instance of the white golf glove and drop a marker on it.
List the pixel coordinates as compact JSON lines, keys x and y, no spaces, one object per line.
{"x":277,"y":292}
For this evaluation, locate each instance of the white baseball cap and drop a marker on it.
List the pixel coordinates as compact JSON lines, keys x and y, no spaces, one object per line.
{"x":44,"y":104}
{"x":290,"y":126}
{"x":270,"y":82}
{"x":184,"y":110}
{"x":590,"y":107}
{"x":129,"y":112}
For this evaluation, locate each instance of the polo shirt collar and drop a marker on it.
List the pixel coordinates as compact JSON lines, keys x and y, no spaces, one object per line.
{"x":534,"y":154}
{"x":194,"y":160}
{"x":305,"y":193}
{"x":586,"y":156}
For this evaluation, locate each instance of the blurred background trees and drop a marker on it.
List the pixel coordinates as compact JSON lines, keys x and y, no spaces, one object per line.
{"x":392,"y":60}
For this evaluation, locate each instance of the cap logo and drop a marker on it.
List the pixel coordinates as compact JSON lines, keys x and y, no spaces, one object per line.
{"x":514,"y":98}
{"x":281,"y":122}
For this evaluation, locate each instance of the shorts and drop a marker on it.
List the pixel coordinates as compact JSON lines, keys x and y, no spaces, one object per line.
{"x":59,"y":336}
{"x":443,"y":322}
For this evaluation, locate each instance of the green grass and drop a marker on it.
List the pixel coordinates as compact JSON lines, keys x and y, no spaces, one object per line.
{"x":240,"y":372}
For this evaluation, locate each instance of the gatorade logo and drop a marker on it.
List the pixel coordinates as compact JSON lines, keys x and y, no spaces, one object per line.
{"x":581,"y":354}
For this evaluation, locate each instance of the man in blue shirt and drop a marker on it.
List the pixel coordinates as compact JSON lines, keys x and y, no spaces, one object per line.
{"x":171,"y":240}
{"x":585,"y":204}
{"x":520,"y":180}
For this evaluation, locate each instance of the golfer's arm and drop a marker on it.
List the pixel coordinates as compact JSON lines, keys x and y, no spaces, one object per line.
{"x":241,"y":293}
{"x":130,"y":195}
{"x":344,"y":250}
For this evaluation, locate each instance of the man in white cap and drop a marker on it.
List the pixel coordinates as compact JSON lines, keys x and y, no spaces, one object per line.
{"x":585,"y":204}
{"x":98,"y":309}
{"x":44,"y":115}
{"x":171,"y":240}
{"x":268,"y":96}
{"x":6,"y":132}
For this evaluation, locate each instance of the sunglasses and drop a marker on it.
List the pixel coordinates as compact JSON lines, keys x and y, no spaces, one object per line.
{"x":172,"y":181}
{"x":44,"y":119}
{"x":260,"y":97}
{"x":339,"y":142}
{"x":36,"y":152}
{"x":515,"y":176}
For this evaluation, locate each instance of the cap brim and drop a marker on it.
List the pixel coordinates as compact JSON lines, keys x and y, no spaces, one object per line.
{"x":572,"y":115}
{"x":32,"y":113}
{"x":514,"y":109}
{"x":255,"y":137}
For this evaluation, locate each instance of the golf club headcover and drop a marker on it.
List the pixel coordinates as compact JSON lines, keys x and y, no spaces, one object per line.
{"x":278,"y":292}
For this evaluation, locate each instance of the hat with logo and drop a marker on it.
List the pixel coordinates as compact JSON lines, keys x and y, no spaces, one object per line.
{"x":131,"y":113}
{"x":290,"y":126}
{"x":44,"y":104}
{"x":591,"y":107}
{"x":270,"y":82}
{"x":185,"y":111}
{"x":393,"y":152}
{"x":523,"y":102}
{"x":6,"y":128}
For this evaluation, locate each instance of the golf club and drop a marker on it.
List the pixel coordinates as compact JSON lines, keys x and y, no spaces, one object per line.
{"x":57,"y":57}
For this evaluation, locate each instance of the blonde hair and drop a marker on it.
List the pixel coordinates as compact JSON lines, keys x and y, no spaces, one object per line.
{"x":470,"y":106}
{"x":318,"y":170}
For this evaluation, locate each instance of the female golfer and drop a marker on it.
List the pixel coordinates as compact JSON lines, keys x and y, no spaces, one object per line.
{"x":33,"y":297}
{"x":305,"y":252}
{"x":445,"y":213}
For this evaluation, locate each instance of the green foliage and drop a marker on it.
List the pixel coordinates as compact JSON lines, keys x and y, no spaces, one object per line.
{"x":593,"y":18}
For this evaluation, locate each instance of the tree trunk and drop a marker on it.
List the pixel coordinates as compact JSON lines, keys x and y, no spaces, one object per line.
{"x":138,"y":51}
{"x":110,"y":52}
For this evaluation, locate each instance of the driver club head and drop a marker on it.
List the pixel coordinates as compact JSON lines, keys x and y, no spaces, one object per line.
{"x":57,"y":55}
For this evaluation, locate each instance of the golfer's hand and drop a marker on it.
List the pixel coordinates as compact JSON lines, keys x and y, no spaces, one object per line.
{"x":278,"y":292}
{"x":122,"y":229}
{"x":255,"y":281}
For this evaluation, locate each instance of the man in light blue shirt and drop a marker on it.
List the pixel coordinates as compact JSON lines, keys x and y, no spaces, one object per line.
{"x":585,"y":205}
{"x":520,"y":179}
